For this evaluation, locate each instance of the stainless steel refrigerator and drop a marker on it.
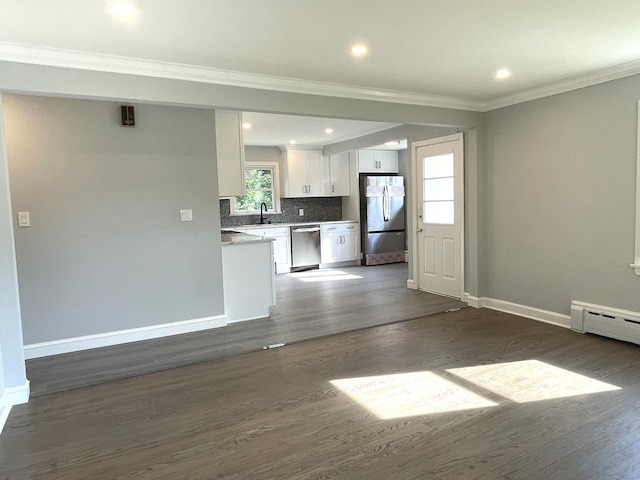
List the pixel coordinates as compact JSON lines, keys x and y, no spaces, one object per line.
{"x":382,"y":219}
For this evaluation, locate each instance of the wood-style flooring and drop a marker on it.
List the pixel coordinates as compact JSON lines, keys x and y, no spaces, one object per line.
{"x":309,"y":305}
{"x":525,"y":413}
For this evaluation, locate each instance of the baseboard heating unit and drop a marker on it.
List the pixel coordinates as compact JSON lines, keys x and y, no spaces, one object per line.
{"x":605,"y":321}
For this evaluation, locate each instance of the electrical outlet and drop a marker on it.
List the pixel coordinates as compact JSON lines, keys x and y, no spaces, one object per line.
{"x":301,"y":212}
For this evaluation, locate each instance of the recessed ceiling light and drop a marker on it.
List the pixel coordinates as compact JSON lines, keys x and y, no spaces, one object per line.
{"x":392,"y":143}
{"x":329,"y":130}
{"x":246,"y":126}
{"x":359,"y":50}
{"x":122,"y":9}
{"x":292,"y":142}
{"x":503,"y":73}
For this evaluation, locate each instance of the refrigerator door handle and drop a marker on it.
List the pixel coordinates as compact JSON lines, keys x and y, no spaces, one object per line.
{"x":386,"y":204}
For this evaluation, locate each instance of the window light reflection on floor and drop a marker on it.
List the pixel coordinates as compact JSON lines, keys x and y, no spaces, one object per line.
{"x":410,"y":394}
{"x":531,"y":381}
{"x":423,"y":393}
{"x":324,"y":275}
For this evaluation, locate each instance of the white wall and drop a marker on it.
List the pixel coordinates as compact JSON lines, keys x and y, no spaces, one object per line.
{"x":12,"y":369}
{"x":559,"y":199}
{"x":106,"y":250}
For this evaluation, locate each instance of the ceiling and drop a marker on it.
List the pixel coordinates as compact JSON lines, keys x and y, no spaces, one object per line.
{"x":276,"y":130}
{"x":423,"y":52}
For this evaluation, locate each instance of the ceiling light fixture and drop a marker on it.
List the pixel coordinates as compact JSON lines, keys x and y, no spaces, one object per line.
{"x":392,"y":143}
{"x":329,"y":130}
{"x":122,"y":9}
{"x":292,"y":142}
{"x":359,"y":50}
{"x":246,"y":126}
{"x":503,"y":73}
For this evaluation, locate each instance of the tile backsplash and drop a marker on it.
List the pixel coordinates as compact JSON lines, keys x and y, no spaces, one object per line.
{"x":319,"y":209}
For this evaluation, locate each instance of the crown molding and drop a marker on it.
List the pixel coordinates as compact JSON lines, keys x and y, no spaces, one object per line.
{"x":54,"y":57}
{"x":72,"y":59}
{"x":600,"y":76}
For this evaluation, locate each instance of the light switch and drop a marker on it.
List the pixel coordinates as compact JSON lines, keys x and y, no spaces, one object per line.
{"x":301,"y":212}
{"x":23,"y":219}
{"x":186,"y":215}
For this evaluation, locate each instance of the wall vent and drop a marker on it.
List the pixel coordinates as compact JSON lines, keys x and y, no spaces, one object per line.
{"x":605,"y":321}
{"x":127,"y":116}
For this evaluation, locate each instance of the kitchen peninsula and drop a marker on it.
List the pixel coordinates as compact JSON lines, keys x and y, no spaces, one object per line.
{"x":248,"y":276}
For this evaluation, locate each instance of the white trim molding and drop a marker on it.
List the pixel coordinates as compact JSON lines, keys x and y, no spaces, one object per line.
{"x":471,"y":300}
{"x":12,"y":396}
{"x":592,"y":78}
{"x":75,"y":344}
{"x":56,"y":57}
{"x":636,"y":265}
{"x":525,"y":311}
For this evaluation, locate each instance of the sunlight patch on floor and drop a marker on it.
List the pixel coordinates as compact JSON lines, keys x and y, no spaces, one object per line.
{"x":424,"y":393}
{"x":531,"y":381}
{"x":324,"y":275}
{"x":410,"y":394}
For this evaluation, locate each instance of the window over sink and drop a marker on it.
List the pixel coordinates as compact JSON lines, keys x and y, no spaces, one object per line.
{"x":262,"y":185}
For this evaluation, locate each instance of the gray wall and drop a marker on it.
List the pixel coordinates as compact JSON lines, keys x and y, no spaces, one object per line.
{"x":61,"y":82}
{"x":106,"y":250}
{"x":559,"y":199}
{"x":12,"y":370}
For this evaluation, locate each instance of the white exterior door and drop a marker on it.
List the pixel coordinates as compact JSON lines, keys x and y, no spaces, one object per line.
{"x":440,"y":212}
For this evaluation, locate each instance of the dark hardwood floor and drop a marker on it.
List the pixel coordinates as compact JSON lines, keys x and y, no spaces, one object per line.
{"x":543,"y":403}
{"x":309,"y":305}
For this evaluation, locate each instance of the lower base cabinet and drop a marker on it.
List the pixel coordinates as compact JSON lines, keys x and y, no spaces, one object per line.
{"x":247,"y":272}
{"x":281,"y":247}
{"x":340,"y":242}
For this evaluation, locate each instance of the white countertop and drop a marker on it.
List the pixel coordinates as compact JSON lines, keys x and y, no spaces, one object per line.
{"x":236,"y":238}
{"x":230,"y":237}
{"x":276,"y":225}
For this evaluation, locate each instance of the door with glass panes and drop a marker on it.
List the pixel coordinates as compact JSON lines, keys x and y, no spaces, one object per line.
{"x":440,"y":208}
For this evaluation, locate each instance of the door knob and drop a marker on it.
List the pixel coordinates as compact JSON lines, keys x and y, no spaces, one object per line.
{"x":419,"y":229}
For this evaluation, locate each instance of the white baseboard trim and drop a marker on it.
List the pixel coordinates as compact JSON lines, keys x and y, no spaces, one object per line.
{"x":412,"y":284}
{"x":538,"y":314}
{"x":76,"y":344}
{"x":257,"y":317}
{"x":471,"y":300}
{"x":12,"y":396}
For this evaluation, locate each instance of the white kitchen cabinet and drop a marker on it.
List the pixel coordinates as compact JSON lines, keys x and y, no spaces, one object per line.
{"x":340,"y":242}
{"x":339,"y":171}
{"x":281,"y":246}
{"x":377,"y":161}
{"x":230,"y":153}
{"x":305,"y":173}
{"x":247,"y":273}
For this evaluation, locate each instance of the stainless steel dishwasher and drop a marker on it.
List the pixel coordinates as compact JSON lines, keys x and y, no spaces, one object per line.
{"x":305,"y":247}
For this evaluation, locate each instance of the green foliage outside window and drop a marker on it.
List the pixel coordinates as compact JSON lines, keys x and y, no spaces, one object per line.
{"x":259,"y":189}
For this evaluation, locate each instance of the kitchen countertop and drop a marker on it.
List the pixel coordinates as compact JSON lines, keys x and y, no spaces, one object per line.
{"x":276,"y":225}
{"x":229,"y":237}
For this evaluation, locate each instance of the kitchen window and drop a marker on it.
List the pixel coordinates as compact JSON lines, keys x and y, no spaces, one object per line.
{"x":261,"y":186}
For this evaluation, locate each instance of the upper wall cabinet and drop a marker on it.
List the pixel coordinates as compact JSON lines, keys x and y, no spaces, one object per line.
{"x":230,"y":151}
{"x":305,"y":172}
{"x":377,"y":161}
{"x":339,"y":170}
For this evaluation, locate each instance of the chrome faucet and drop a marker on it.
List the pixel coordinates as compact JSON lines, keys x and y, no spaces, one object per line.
{"x":261,"y":214}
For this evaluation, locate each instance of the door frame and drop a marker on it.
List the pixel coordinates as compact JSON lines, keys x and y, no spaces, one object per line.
{"x":411,"y":221}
